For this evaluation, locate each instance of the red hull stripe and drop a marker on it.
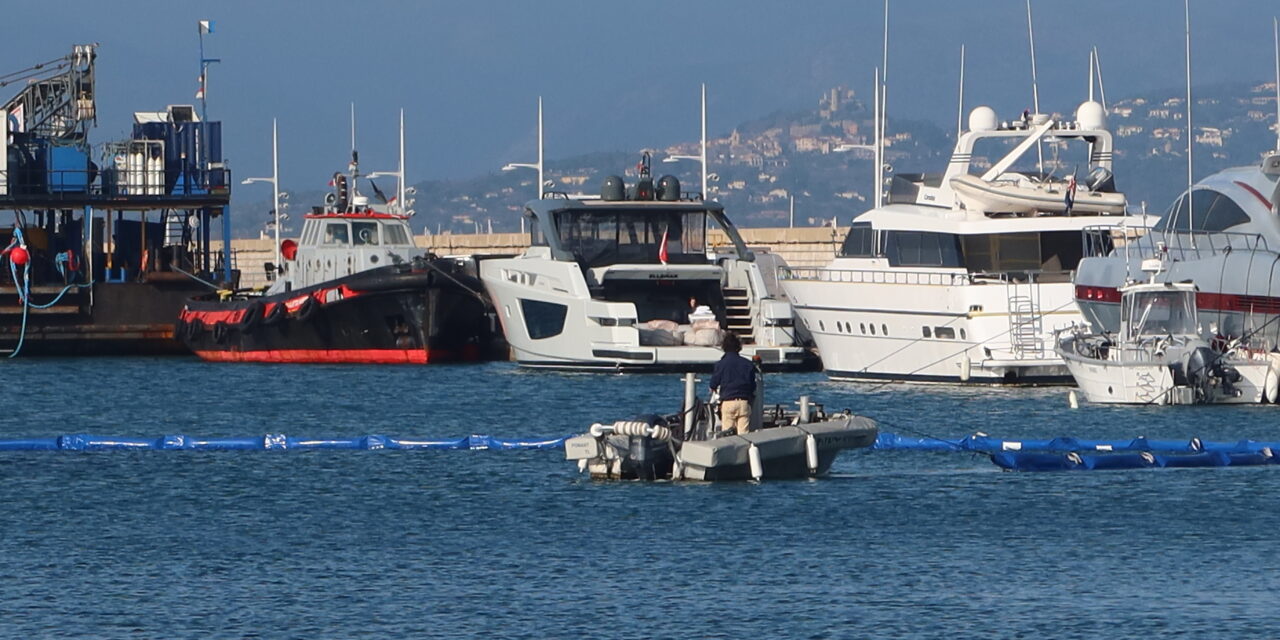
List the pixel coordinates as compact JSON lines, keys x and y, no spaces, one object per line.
{"x":1265,"y":202}
{"x":346,"y":356}
{"x":1204,"y":300}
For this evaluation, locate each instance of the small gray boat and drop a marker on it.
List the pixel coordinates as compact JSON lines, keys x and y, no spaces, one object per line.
{"x":690,"y":445}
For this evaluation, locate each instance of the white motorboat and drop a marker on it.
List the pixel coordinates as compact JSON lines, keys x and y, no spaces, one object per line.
{"x":940,"y":285}
{"x":1160,"y":354}
{"x":626,"y":282}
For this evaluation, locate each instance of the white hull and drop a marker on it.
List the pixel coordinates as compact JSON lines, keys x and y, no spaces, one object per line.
{"x":932,"y":327}
{"x":1108,"y":382}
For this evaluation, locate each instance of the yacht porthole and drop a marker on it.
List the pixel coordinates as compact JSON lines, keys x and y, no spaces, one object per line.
{"x":873,"y":329}
{"x":963,"y":336}
{"x":821,"y":326}
{"x":884,"y":329}
{"x":927,"y":333}
{"x":863,"y":328}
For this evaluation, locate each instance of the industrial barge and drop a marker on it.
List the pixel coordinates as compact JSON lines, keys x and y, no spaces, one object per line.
{"x":104,"y":249}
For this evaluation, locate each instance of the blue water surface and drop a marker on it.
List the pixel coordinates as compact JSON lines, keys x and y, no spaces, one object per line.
{"x":516,"y":544}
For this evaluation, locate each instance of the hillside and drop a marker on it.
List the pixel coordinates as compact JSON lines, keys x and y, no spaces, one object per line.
{"x":760,"y":165}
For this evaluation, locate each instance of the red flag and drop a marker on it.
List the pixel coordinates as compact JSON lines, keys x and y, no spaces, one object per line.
{"x":662,"y":248}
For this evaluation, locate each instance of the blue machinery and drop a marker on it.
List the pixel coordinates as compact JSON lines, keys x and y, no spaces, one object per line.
{"x":1057,"y":454}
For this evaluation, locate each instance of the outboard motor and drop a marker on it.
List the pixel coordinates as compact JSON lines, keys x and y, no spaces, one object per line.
{"x":648,"y":454}
{"x":1198,"y":367}
{"x":1101,"y":180}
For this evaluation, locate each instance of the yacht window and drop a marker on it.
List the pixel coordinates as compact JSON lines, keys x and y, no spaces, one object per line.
{"x":365,"y":233}
{"x":946,"y":333}
{"x":1210,"y":211}
{"x":336,"y":233}
{"x":962,"y":335}
{"x":600,"y":238}
{"x":395,"y":233}
{"x":922,"y":249}
{"x":927,"y":333}
{"x":884,"y":329}
{"x":873,"y":329}
{"x":1003,"y":252}
{"x":543,"y":319}
{"x":862,"y":327}
{"x":860,"y":243}
{"x":536,"y":239}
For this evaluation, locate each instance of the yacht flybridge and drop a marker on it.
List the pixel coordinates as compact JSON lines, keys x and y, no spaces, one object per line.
{"x":625,"y":281}
{"x":963,"y":276}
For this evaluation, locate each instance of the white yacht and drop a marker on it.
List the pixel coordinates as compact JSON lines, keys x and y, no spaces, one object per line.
{"x":625,"y":281}
{"x":963,"y":276}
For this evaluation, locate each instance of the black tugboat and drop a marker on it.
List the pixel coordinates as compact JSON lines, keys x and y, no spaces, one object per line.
{"x":354,"y":289}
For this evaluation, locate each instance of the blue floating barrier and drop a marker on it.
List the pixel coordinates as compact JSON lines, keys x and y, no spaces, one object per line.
{"x":404,"y":443}
{"x":496,"y":443}
{"x":1191,"y":460}
{"x":30,"y":444}
{"x":1035,"y":461}
{"x":337,"y":443}
{"x":227,"y":444}
{"x":891,"y":441}
{"x":1251,"y":459}
{"x":172,"y":442}
{"x":1106,"y":461}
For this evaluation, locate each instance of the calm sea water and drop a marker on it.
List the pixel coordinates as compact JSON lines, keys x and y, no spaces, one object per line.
{"x":475,"y":544}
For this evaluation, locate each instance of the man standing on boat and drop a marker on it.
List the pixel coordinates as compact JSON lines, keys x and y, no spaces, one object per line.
{"x":735,"y":379}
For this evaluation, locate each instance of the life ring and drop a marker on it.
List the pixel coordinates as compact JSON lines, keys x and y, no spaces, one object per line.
{"x":251,"y":318}
{"x":307,"y":309}
{"x":220,"y":332}
{"x":276,"y":315}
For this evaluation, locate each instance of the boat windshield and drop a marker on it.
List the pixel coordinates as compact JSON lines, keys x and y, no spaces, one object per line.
{"x":600,"y":238}
{"x":1148,"y":313}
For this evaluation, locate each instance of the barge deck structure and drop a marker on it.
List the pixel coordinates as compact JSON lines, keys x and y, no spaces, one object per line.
{"x":106,"y":241}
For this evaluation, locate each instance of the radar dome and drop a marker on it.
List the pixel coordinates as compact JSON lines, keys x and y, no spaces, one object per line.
{"x":1091,"y":115}
{"x":983,"y":119}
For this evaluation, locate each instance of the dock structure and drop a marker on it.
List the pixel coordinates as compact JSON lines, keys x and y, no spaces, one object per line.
{"x":114,"y":237}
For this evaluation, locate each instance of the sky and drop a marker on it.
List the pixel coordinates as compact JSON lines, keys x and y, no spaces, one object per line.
{"x":612,"y":75}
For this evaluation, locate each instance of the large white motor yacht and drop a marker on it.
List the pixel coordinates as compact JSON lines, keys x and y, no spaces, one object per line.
{"x":626,"y":282}
{"x":963,"y":276}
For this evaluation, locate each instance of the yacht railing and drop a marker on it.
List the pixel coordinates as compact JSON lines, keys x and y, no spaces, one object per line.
{"x":1145,"y":242}
{"x":871,"y":276}
{"x":900,"y":276}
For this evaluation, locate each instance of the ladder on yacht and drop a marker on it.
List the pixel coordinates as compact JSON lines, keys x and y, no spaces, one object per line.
{"x":1026,"y":323}
{"x":737,"y":312}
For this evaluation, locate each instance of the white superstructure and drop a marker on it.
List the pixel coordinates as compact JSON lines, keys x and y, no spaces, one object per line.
{"x":615,"y":283}
{"x":963,"y":276}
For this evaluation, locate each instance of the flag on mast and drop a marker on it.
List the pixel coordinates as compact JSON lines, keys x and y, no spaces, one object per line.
{"x":662,"y":249}
{"x":206,"y":26}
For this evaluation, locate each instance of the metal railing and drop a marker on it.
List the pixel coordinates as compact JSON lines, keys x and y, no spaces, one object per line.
{"x":110,"y":182}
{"x":1145,"y":242}
{"x":870,"y":276}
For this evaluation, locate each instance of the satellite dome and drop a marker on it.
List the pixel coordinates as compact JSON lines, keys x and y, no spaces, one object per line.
{"x":1091,"y":115}
{"x":983,"y":119}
